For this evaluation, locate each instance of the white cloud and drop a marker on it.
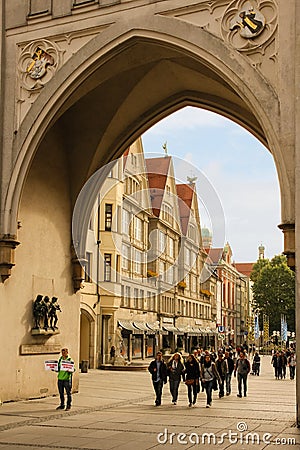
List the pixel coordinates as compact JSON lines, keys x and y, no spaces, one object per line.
{"x":187,"y":119}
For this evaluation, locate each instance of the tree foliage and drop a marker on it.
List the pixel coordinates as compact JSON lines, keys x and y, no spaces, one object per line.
{"x":274,"y":290}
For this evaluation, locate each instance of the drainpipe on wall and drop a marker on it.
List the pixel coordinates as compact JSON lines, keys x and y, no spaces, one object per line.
{"x":99,"y":343}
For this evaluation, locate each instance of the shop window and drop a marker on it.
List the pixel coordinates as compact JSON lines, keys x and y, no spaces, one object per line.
{"x":150,"y":346}
{"x":136,"y":346}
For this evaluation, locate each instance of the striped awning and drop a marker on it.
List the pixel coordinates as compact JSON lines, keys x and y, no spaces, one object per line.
{"x":170,"y":328}
{"x":128,"y":326}
{"x":144,"y":327}
{"x":141,"y":326}
{"x":153,"y":327}
{"x":203,"y":330}
{"x":182,"y":330}
{"x":194,"y":331}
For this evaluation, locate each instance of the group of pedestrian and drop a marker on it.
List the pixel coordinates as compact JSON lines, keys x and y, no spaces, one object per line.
{"x":203,"y":371}
{"x":281,"y":360}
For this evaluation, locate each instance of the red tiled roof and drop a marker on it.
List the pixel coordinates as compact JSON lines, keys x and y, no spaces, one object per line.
{"x":215,"y":254}
{"x":157,"y":171}
{"x":185,"y":193}
{"x":244,"y":268}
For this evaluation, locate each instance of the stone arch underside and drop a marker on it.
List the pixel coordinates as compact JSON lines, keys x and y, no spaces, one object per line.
{"x":130,"y":77}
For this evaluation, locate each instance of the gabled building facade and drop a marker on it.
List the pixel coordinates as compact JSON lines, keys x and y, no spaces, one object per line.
{"x":234,"y":306}
{"x":144,"y":261}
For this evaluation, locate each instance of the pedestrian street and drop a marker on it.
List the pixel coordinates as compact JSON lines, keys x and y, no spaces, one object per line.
{"x":115,"y":410}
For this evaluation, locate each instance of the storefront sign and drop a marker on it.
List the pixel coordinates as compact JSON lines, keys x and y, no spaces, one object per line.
{"x":167,"y":320}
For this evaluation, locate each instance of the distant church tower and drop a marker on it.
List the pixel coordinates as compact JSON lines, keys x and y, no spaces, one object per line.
{"x":261,"y":252}
{"x":206,"y":237}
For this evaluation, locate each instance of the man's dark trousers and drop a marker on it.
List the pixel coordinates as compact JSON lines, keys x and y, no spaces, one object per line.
{"x":62,"y":386}
{"x":158,"y":387}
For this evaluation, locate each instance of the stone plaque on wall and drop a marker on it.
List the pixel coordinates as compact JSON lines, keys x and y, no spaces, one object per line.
{"x":39,"y":349}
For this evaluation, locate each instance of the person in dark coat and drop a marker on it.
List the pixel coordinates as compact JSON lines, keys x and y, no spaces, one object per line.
{"x":209,"y":378}
{"x":283,"y":363}
{"x":256,"y":364}
{"x":175,"y":367}
{"x":229,"y":364}
{"x":292,"y":365}
{"x":192,"y":375}
{"x":241,"y":369}
{"x":277,"y":364}
{"x":158,"y":370}
{"x":221,"y":368}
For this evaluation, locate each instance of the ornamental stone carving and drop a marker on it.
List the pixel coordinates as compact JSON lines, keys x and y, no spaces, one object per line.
{"x":249,"y":25}
{"x":249,"y":22}
{"x":38,"y":62}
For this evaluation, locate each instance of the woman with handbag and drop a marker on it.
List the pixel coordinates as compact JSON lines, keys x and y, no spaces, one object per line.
{"x":192,"y":375}
{"x":175,"y":372}
{"x":209,"y":377}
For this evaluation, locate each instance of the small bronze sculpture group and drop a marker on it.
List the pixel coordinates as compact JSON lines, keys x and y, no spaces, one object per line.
{"x":45,"y":312}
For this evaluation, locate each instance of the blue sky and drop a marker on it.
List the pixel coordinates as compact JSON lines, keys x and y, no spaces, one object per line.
{"x":239,"y":168}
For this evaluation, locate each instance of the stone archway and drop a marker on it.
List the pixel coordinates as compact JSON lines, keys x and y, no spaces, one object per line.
{"x":110,"y":91}
{"x":87,"y":350}
{"x":173,"y":71}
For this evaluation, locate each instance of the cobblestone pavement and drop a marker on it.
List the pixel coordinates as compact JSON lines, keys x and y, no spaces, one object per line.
{"x":115,"y":410}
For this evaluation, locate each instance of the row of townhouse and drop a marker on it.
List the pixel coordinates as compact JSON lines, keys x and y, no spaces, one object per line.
{"x":149,"y":283}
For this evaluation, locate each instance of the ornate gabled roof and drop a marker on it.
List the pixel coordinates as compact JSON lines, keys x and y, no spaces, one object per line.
{"x":157,"y":172}
{"x":185,"y":193}
{"x":215,"y":254}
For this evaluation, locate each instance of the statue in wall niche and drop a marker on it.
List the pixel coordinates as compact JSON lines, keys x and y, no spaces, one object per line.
{"x":45,"y":313}
{"x":46,"y":301}
{"x":38,"y":311}
{"x":52,"y":313}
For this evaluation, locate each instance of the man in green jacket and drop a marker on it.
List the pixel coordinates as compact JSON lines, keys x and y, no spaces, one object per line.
{"x":64,"y":382}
